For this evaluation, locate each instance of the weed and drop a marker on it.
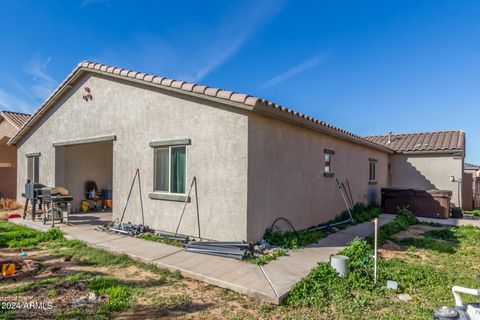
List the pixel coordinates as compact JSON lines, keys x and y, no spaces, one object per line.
{"x":443,"y":234}
{"x":264,"y":259}
{"x":52,"y":293}
{"x":32,"y":286}
{"x":475,"y":213}
{"x":355,"y":297}
{"x":298,"y":239}
{"x":166,"y":240}
{"x":22,"y":237}
{"x":402,"y":221}
{"x":119,"y":294}
{"x":292,"y":239}
{"x":429,"y":244}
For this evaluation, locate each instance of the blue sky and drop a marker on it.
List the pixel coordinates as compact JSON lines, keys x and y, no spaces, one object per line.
{"x":366,"y":66}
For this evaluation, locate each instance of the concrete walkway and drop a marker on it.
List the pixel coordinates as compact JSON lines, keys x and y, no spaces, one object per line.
{"x":453,"y":222}
{"x":271,"y":282}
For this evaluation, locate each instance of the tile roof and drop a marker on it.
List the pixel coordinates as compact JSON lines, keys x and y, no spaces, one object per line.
{"x":236,"y":98}
{"x":467,"y":165}
{"x":436,"y":141}
{"x":15,"y":118}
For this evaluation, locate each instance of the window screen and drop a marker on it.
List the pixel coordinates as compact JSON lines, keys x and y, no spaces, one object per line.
{"x":33,"y":168}
{"x":170,"y":169}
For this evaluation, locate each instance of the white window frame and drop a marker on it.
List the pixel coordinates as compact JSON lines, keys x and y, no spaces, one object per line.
{"x":33,"y":158}
{"x":155,"y":149}
{"x":330,"y":154}
{"x":372,"y":170}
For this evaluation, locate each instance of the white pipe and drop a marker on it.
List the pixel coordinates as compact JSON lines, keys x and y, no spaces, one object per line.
{"x":456,"y":290}
{"x":375,"y":222}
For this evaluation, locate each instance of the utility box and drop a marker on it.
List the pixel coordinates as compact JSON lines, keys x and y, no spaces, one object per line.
{"x":423,"y":203}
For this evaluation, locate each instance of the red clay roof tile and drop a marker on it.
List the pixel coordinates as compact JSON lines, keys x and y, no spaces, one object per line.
{"x":453,"y":140}
{"x":15,"y":118}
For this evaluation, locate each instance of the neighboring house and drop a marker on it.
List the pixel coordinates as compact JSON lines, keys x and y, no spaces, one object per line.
{"x":472,"y":186}
{"x":426,"y":160}
{"x":254,"y":160}
{"x":10,"y":123}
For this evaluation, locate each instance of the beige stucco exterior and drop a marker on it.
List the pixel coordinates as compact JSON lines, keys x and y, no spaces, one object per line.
{"x":138,"y":115}
{"x":286,"y":175}
{"x":8,"y":161}
{"x":428,"y":171}
{"x":246,"y":164}
{"x":251,"y":166}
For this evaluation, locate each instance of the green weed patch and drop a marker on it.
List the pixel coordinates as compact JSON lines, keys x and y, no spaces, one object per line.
{"x":452,"y":259}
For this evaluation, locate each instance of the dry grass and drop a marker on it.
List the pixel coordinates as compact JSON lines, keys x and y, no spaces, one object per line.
{"x":7,"y":204}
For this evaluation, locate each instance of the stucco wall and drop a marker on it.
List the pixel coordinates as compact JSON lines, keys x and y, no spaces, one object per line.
{"x":137,"y":115}
{"x":6,"y":129}
{"x":429,"y":171}
{"x":285,"y":176}
{"x":8,"y":161}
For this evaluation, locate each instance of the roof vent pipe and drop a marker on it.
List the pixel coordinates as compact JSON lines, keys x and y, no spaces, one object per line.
{"x":389,"y":137}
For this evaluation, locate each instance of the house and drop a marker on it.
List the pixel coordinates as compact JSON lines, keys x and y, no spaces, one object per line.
{"x":10,"y":123}
{"x":253,"y":160}
{"x":471,"y":176}
{"x":426,"y":160}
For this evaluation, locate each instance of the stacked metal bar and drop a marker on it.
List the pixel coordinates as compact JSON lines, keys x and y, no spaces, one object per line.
{"x":229,"y":249}
{"x":129,"y":228}
{"x":172,"y":236}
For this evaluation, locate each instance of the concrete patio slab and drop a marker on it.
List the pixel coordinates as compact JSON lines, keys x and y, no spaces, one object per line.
{"x":236,"y":275}
{"x":452,"y":222}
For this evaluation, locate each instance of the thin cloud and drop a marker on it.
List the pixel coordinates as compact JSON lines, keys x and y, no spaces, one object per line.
{"x":305,"y":65}
{"x":37,"y":69}
{"x":43,"y":83}
{"x":193,"y":54}
{"x":10,"y":102}
{"x":237,"y":31}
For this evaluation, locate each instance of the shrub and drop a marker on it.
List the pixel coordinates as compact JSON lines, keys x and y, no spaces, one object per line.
{"x":292,"y":239}
{"x":7,"y":204}
{"x":402,"y":221}
{"x":298,"y":239}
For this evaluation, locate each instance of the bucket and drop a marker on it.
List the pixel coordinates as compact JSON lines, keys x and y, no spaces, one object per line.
{"x":340,"y":264}
{"x":107,"y":194}
{"x":107,"y":203}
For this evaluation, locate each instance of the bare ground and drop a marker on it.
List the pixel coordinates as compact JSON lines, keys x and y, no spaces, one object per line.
{"x":156,"y":296}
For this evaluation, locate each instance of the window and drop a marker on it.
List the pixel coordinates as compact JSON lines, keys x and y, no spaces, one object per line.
{"x":328,"y":162}
{"x":33,"y":165}
{"x":170,"y":169}
{"x":372,"y":175}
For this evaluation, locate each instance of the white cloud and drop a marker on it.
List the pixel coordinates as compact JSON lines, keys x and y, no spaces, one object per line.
{"x":43,"y":84}
{"x":13,"y":103}
{"x":37,"y":69}
{"x":193,"y":52}
{"x":305,"y":65}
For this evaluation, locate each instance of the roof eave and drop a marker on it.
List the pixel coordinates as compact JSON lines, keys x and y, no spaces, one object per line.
{"x":313,"y":125}
{"x":79,"y":71}
{"x":450,"y":151}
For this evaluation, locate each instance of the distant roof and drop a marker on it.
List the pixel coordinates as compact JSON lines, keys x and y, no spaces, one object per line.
{"x":467,"y":165}
{"x":225,"y":96}
{"x":436,"y":141}
{"x":15,"y":118}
